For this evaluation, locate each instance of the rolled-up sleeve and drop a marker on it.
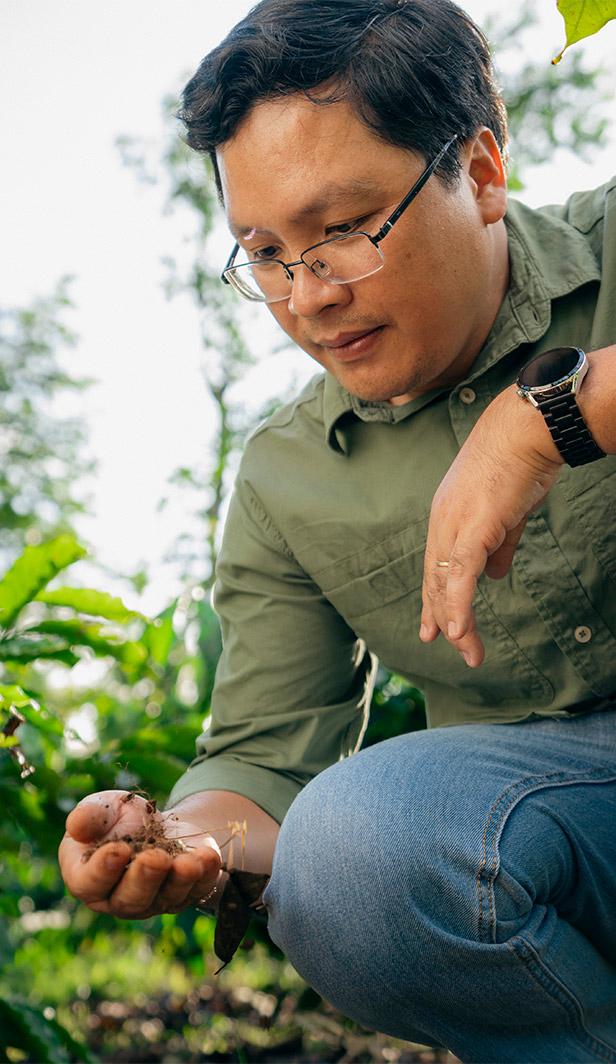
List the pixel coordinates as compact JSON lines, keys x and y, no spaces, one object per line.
{"x":293,"y":683}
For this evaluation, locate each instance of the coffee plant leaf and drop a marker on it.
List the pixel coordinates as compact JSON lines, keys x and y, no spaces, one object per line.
{"x":32,"y":571}
{"x":102,"y":642}
{"x":93,"y":603}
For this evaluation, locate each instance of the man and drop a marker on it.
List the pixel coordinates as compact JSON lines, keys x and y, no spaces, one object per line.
{"x":454,"y":886}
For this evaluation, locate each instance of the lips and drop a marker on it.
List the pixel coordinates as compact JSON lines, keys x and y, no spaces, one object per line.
{"x":344,"y":339}
{"x":353,"y":346}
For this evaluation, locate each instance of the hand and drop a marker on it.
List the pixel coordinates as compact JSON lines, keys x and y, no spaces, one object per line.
{"x":501,"y":475}
{"x":153,"y":882}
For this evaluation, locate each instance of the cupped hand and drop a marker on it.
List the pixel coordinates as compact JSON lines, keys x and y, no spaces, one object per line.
{"x":501,"y":475}
{"x":153,"y":882}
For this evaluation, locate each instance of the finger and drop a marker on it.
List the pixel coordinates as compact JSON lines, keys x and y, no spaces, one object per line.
{"x":92,"y":880}
{"x":499,"y":563}
{"x":132,"y":898}
{"x":428,"y":629}
{"x":434,"y":591}
{"x":470,"y":647}
{"x":466,"y":564}
{"x":97,"y":814}
{"x":191,"y":876}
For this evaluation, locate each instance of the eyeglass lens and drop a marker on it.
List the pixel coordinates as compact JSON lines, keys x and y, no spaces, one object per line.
{"x":339,"y":261}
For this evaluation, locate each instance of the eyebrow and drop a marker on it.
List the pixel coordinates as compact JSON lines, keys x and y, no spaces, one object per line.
{"x":330,"y":195}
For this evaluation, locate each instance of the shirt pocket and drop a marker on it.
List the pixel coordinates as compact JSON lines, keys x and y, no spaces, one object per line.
{"x":383,"y":607}
{"x":590,"y":492}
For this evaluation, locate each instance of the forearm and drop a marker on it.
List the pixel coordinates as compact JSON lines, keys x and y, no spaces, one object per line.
{"x":221,"y":814}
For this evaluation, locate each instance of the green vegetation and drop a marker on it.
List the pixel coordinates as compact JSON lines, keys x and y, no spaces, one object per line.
{"x":94,"y":695}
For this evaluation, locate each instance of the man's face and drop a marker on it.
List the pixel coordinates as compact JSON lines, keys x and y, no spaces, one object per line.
{"x":296,"y":173}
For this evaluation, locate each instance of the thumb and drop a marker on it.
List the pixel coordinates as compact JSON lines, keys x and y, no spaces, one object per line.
{"x":499,"y":563}
{"x":94,"y":816}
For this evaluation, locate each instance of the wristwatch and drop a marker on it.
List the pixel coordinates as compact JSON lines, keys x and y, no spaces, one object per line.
{"x":551,"y":382}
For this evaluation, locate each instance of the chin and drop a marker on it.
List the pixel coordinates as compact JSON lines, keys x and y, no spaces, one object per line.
{"x":377,"y":389}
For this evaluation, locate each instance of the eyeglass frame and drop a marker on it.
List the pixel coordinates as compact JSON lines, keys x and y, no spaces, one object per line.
{"x":387,"y":226}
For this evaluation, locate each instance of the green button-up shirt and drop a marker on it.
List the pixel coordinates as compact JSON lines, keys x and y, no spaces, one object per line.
{"x":320,"y":569}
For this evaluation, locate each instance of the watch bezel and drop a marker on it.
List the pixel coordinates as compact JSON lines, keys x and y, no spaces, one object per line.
{"x":573,"y":377}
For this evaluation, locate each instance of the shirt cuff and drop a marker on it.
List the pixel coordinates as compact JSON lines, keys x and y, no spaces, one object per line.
{"x":270,"y":790}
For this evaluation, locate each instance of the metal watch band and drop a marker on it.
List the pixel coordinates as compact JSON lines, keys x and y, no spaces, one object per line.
{"x":568,"y":429}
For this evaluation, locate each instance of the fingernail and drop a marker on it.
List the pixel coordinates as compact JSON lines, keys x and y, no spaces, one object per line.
{"x":423,"y":631}
{"x":468,"y":659}
{"x":452,"y":629}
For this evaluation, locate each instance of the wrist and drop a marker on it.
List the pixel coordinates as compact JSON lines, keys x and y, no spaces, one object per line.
{"x":528,"y":431}
{"x":574,"y":396}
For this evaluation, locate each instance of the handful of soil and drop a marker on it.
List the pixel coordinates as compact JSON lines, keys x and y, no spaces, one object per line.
{"x":242,"y":893}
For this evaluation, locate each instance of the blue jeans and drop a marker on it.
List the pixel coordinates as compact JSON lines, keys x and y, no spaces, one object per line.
{"x":457,"y":887}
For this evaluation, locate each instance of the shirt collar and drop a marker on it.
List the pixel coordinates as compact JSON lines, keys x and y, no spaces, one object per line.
{"x":548,"y":258}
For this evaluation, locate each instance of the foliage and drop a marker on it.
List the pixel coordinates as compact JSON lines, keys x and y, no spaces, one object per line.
{"x":94,"y":695}
{"x":547,"y":109}
{"x":41,"y":451}
{"x":43,"y":1040}
{"x":143,"y":711}
{"x":583,"y":18}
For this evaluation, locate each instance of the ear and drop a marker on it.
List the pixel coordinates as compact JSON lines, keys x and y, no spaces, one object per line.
{"x":486,"y":174}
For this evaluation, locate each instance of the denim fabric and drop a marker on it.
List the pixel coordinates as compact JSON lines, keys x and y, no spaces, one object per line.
{"x":458,"y":887}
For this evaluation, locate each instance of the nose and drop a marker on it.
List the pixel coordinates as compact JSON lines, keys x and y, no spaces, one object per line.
{"x":310,"y":295}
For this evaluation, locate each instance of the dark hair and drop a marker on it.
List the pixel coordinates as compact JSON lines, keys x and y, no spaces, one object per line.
{"x":414,"y":71}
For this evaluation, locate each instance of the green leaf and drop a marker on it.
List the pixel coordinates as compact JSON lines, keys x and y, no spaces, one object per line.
{"x":28,"y":648}
{"x":42,"y":720}
{"x":34,"y":714}
{"x":177,"y":740}
{"x":11,"y":695}
{"x":24,"y":1027}
{"x":32,"y":572}
{"x":75,"y":633}
{"x":583,"y":18}
{"x":9,"y":905}
{"x":159,"y":636}
{"x":7,"y":741}
{"x":156,"y":772}
{"x":94,"y":603}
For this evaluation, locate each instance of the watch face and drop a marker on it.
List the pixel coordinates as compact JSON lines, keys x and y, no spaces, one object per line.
{"x":551,"y":367}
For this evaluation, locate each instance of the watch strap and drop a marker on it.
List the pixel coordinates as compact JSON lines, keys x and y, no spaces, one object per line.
{"x":568,"y":429}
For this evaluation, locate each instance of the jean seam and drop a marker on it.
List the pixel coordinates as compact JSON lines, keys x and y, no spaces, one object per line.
{"x":493,"y":829}
{"x":557,"y":990}
{"x":486,"y":877}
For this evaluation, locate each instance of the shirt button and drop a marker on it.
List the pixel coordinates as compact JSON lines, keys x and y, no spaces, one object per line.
{"x":583,"y":634}
{"x":467,"y":395}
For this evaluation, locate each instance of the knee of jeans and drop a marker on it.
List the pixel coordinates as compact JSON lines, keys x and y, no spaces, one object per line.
{"x":354,"y":883}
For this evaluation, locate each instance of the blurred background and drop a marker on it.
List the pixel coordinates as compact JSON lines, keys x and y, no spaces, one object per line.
{"x":128,"y":383}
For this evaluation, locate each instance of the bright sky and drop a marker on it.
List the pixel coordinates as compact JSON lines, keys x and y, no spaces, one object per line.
{"x":73,"y":76}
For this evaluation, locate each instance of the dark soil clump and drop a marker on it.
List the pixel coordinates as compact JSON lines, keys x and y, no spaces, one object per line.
{"x":151,"y":835}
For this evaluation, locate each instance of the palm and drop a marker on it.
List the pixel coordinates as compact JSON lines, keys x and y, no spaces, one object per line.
{"x":100,"y":865}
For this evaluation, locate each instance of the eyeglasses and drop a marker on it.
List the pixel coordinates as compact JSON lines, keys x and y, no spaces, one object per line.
{"x":338,"y":260}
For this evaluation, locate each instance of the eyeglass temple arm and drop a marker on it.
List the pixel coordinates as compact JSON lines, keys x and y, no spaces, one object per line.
{"x":229,"y":262}
{"x":410,"y":196}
